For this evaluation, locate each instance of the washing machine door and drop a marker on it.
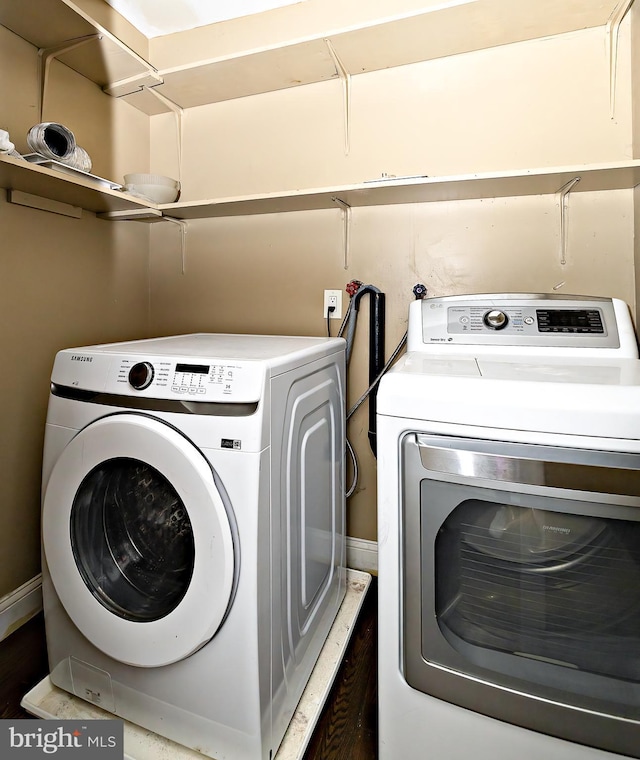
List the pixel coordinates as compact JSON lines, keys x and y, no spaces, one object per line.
{"x":138,"y":540}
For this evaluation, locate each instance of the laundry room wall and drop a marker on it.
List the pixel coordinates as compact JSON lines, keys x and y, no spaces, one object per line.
{"x":64,"y":281}
{"x":67,"y":281}
{"x":530,"y":104}
{"x":634,"y":20}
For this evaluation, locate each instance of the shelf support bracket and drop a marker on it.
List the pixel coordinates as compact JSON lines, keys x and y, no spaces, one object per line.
{"x":345,"y":77}
{"x":183,"y":238}
{"x":345,"y":209}
{"x":612,"y":30}
{"x":563,"y":196}
{"x":180,"y":115}
{"x":46,"y":55}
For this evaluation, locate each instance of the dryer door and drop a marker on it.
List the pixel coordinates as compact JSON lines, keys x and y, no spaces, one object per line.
{"x":138,"y":540}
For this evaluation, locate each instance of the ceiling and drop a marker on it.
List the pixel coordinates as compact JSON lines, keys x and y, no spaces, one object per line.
{"x":155,"y":18}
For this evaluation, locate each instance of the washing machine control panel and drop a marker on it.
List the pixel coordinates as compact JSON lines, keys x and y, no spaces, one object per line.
{"x":520,"y":321}
{"x":161,"y":377}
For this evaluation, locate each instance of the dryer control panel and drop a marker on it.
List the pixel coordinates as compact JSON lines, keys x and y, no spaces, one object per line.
{"x":524,"y":320}
{"x":530,"y":322}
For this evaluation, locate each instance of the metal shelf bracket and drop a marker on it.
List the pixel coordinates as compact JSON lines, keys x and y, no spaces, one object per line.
{"x":563,"y":197}
{"x":180,"y":115}
{"x":612,"y":30}
{"x":345,"y":208}
{"x":46,"y":55}
{"x":183,"y":238}
{"x":345,"y":77}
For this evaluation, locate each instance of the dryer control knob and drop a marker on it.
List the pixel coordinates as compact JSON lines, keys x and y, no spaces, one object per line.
{"x":141,"y":375}
{"x":496,"y":319}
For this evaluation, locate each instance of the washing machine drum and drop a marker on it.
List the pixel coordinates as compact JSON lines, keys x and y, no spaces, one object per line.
{"x":138,"y":536}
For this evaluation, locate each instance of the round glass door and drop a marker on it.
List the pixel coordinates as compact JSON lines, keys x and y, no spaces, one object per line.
{"x":132,"y":539}
{"x":138,"y":540}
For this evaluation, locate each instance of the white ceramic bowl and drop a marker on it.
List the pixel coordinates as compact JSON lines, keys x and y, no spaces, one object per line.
{"x":155,"y":187}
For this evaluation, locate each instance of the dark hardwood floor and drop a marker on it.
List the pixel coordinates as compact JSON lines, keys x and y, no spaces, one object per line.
{"x":348,"y":726}
{"x":346,"y":730}
{"x":23,"y":662}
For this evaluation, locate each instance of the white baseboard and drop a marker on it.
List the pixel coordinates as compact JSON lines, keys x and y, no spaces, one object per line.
{"x":19,"y":606}
{"x":362,"y":555}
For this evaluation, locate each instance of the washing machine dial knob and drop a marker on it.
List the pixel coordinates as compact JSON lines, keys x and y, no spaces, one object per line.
{"x":496,"y":319}
{"x":141,"y":375}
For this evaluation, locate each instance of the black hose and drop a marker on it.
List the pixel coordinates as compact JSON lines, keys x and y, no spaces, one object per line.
{"x":376,"y":349}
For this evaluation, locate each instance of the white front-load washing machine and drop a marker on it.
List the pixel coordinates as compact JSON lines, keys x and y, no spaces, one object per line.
{"x":509,"y":532}
{"x":193,"y":531}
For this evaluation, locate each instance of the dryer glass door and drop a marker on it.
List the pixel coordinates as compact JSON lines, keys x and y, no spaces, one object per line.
{"x":522,"y":584}
{"x":138,"y":536}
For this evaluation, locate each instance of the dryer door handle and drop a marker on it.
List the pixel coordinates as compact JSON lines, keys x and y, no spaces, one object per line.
{"x":551,"y":467}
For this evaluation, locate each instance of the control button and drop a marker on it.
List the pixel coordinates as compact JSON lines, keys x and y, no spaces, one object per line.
{"x":141,"y":375}
{"x":496,"y":319}
{"x":529,"y":320}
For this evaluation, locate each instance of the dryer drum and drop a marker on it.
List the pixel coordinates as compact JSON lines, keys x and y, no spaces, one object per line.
{"x":538,"y":539}
{"x":132,"y":540}
{"x":569,"y":596}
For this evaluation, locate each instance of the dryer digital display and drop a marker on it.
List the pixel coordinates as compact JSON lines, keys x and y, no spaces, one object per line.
{"x":570,"y":320}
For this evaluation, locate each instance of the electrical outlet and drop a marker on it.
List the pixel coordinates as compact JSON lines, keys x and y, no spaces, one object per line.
{"x":332,"y":298}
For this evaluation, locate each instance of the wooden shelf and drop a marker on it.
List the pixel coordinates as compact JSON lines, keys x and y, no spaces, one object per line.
{"x":623,"y":175}
{"x":443,"y":30}
{"x":193,"y":77}
{"x":17,"y":174}
{"x":107,"y":61}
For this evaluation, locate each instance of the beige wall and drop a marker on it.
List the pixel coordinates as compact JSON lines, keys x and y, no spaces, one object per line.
{"x":634,"y":21}
{"x":533,"y":104}
{"x":63,"y":282}
{"x":68,"y":282}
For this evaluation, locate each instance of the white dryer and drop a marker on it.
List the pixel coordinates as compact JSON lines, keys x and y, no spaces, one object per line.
{"x":509,"y":532}
{"x":193,"y":530}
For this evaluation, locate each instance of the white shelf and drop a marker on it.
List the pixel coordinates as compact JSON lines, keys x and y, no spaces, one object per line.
{"x":615,"y":176}
{"x":106,"y":61}
{"x":17,"y":174}
{"x":447,"y":28}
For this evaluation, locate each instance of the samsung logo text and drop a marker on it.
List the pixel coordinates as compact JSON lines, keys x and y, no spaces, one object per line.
{"x":557,"y":529}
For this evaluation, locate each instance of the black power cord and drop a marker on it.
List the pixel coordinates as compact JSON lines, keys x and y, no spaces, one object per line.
{"x":330,"y":310}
